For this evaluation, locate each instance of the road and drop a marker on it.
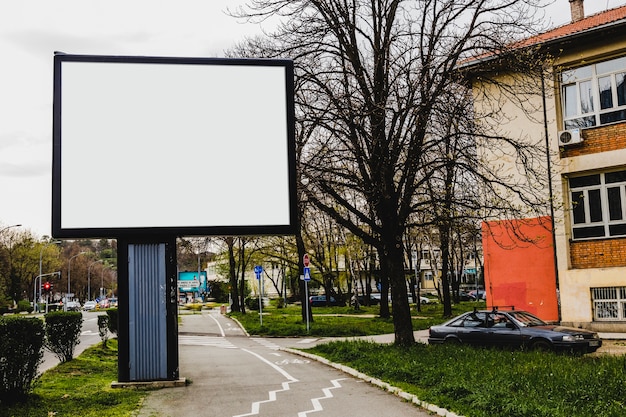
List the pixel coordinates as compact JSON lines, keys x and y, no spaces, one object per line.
{"x":239,"y":376}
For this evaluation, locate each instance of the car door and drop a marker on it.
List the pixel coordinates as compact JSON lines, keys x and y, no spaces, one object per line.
{"x":473,"y":330}
{"x":501,"y":331}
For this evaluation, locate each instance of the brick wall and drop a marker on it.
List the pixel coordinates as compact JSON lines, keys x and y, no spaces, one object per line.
{"x":602,"y":253}
{"x":598,"y":139}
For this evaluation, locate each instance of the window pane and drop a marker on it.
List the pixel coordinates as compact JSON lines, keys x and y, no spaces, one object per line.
{"x":587,"y":232}
{"x":614,"y":116}
{"x":581,"y":122}
{"x":586,"y":97}
{"x":585,"y":181}
{"x":615,"y":203}
{"x":618,"y":176}
{"x":611,"y":66}
{"x":573,"y":75}
{"x":595,"y":206}
{"x":621,"y":88}
{"x":578,"y":207}
{"x":569,"y":100}
{"x":617,"y":229}
{"x":606,"y":93}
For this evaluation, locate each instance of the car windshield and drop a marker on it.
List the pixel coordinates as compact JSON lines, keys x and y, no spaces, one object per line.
{"x":527,"y":319}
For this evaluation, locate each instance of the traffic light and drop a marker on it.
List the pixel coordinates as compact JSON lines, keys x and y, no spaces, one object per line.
{"x":47,"y":286}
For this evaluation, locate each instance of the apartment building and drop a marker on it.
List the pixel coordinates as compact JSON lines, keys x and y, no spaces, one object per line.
{"x":576,"y":271}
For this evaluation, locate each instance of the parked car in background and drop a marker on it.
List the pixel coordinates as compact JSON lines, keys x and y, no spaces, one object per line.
{"x":73,"y":306}
{"x":104,"y":303}
{"x":89,"y":305}
{"x":423,"y":299}
{"x":477,"y":295}
{"x":113,"y":302}
{"x":373,"y":301}
{"x":512,"y":328}
{"x":320,"y":301}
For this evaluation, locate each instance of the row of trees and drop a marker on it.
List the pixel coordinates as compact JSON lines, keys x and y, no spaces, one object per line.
{"x":88,"y":264}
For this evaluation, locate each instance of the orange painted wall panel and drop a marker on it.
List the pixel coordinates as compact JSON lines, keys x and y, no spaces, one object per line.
{"x":519,"y":272}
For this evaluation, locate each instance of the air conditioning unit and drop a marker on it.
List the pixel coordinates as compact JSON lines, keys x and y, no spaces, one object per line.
{"x":570,"y":137}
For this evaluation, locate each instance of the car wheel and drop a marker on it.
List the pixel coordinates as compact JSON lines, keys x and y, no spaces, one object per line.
{"x":452,"y":341}
{"x":541,"y":346}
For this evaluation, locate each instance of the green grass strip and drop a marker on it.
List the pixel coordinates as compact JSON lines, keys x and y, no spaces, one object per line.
{"x":492,"y":383}
{"x":81,"y":388}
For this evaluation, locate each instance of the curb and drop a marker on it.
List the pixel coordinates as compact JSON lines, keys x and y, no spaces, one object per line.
{"x":378,"y":383}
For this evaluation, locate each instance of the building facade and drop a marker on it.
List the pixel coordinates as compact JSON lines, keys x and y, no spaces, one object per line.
{"x":576,"y":273}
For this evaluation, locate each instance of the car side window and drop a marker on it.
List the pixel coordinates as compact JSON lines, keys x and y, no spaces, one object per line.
{"x":498,"y":320}
{"x":474,"y":320}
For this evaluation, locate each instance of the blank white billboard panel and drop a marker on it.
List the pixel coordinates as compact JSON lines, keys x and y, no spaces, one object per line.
{"x":183,"y":146}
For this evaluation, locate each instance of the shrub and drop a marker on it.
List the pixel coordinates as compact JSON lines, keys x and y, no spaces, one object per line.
{"x":103,"y":328}
{"x":113,"y":320}
{"x":252,"y":303}
{"x":24,"y":305}
{"x":63,"y":333}
{"x":21,"y":352}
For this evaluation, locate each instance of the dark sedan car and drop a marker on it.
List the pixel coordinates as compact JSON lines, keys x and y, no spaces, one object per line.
{"x":512,"y":328}
{"x":320,"y":301}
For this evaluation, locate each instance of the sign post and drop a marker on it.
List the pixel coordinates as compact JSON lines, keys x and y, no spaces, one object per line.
{"x":307,"y":278}
{"x":257,"y":271}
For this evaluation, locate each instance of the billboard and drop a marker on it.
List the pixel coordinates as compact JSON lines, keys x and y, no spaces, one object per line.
{"x":132,"y":136}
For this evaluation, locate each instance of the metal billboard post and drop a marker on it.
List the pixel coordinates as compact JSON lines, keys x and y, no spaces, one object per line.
{"x":257,"y":271}
{"x":306,"y":278}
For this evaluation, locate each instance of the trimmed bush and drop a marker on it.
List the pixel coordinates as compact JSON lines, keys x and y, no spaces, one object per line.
{"x":21,"y":352}
{"x":103,"y":328}
{"x":24,"y":305}
{"x":63,"y":333}
{"x":252,"y":303}
{"x":113,"y":320}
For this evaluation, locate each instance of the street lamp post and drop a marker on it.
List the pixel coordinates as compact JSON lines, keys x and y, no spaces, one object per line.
{"x":40,"y":265}
{"x":89,"y":279}
{"x":9,"y":227}
{"x":69,"y":274}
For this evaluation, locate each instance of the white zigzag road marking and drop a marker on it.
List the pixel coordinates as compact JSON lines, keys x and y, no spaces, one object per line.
{"x":272,"y":394}
{"x":317,"y":406}
{"x":256,"y":406}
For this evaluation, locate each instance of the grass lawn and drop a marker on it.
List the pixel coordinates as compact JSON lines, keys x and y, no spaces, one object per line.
{"x":338,"y":321}
{"x":493,"y":383}
{"x":80,"y":388}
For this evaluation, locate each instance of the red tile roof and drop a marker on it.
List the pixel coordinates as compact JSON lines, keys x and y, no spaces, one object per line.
{"x":590,"y":22}
{"x":594,"y":21}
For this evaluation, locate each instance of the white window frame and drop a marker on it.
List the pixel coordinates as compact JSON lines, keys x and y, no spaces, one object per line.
{"x":609,"y":303}
{"x":606,"y":222}
{"x":568,"y":78}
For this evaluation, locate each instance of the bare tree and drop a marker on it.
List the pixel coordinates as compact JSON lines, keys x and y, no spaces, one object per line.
{"x":372,"y":78}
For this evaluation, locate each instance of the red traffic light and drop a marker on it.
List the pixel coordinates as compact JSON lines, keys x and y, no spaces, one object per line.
{"x":47,"y":286}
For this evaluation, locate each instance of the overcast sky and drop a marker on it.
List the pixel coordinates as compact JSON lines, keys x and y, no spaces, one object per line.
{"x":30,"y":32}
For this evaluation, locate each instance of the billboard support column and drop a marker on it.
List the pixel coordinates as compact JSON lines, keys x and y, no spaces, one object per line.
{"x":148,"y":328}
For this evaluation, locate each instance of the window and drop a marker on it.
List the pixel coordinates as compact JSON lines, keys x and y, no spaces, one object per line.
{"x":598,"y":204}
{"x":595,"y":94}
{"x":609,"y":303}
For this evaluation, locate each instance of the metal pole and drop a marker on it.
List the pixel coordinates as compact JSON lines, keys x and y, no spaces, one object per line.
{"x":89,"y":279}
{"x":41,"y":261}
{"x":306,"y":297}
{"x":69,"y":272}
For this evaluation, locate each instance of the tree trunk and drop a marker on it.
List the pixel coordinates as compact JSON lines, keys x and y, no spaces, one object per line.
{"x":403,"y":327}
{"x":234,"y":293}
